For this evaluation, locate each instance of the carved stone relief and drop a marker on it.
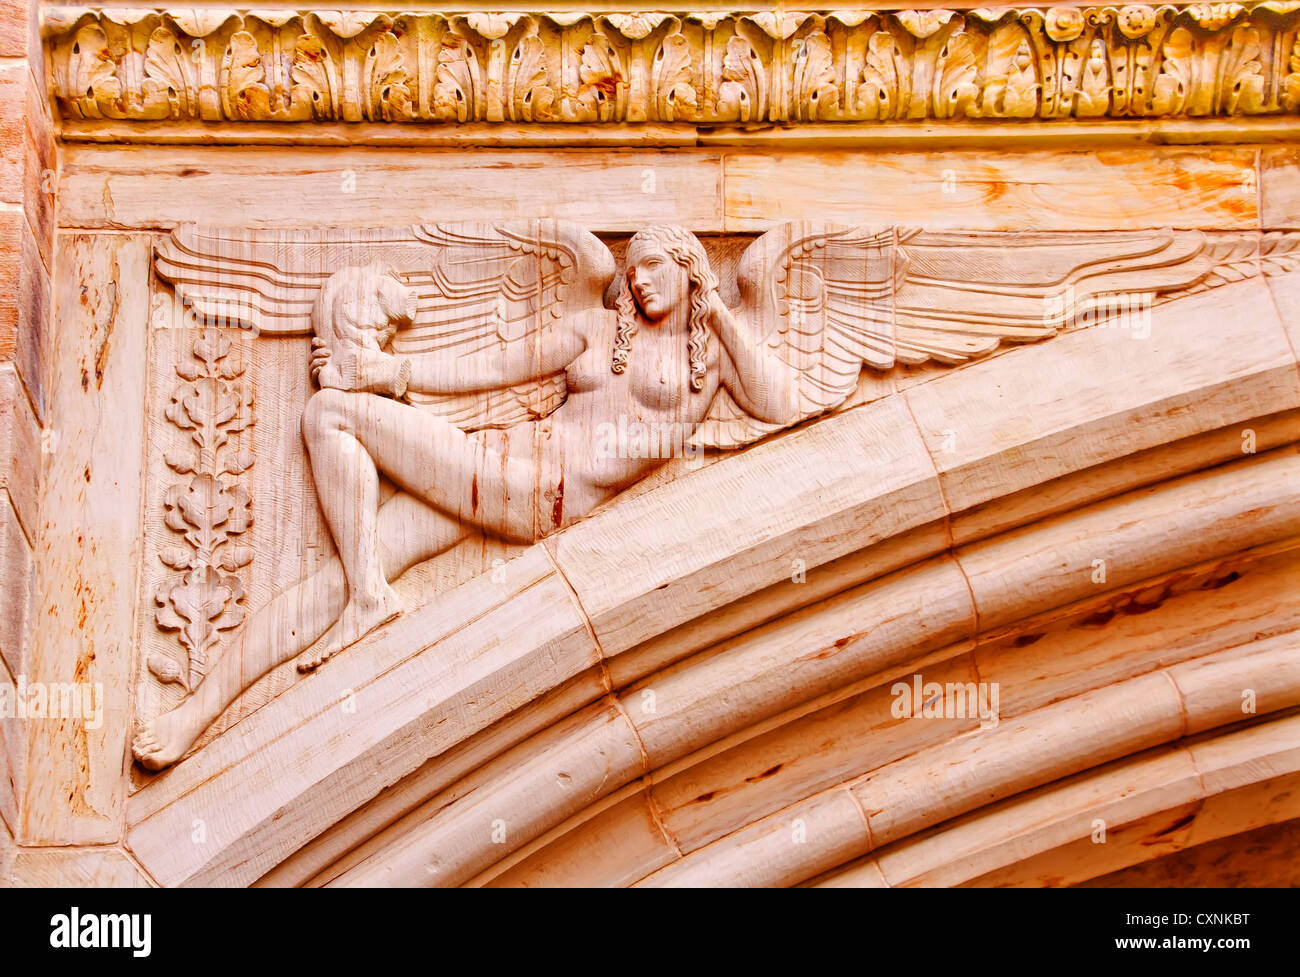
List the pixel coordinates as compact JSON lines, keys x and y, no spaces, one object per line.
{"x":590,"y":67}
{"x":500,"y":381}
{"x":208,"y":507}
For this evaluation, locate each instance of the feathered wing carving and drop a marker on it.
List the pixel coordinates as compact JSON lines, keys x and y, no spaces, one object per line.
{"x":477,"y":285}
{"x":830,"y":299}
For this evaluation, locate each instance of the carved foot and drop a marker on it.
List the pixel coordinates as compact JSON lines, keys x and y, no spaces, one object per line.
{"x":358,"y":619}
{"x":164,"y":739}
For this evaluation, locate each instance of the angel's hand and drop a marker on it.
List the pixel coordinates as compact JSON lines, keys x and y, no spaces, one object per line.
{"x":320,"y":359}
{"x":718,"y":311}
{"x":723,"y":321}
{"x":359,"y":369}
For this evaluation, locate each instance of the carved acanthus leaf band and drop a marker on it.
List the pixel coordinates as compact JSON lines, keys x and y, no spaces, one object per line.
{"x":1171,"y":60}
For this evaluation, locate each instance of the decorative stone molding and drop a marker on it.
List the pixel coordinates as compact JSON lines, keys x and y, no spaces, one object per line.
{"x":718,"y":68}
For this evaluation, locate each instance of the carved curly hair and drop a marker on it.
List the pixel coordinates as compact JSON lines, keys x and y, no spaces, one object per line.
{"x":685,"y":249}
{"x":362,"y":293}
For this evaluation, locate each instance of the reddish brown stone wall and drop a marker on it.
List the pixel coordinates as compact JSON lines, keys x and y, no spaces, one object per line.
{"x":28,"y":167}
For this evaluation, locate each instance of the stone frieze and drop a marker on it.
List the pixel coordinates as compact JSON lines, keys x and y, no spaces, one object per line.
{"x":681,"y":69}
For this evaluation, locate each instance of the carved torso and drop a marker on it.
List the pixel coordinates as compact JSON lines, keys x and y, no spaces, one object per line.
{"x":652,"y":400}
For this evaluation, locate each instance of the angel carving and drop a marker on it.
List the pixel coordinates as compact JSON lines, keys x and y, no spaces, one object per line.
{"x":474,"y":378}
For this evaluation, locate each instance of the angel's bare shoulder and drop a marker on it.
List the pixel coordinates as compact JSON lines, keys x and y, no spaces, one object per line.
{"x":595,"y":325}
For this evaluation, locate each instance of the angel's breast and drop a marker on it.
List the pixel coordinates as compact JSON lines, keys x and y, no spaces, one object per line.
{"x":659,"y":378}
{"x":658,"y":386}
{"x":655,"y":385}
{"x":588,"y":372}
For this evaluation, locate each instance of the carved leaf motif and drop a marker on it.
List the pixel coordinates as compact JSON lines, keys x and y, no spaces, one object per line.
{"x":207,"y":510}
{"x":922,"y":24}
{"x":955,"y":90}
{"x":204,"y":603}
{"x":1013,"y":91}
{"x":670,"y":78}
{"x":212,"y":410}
{"x":177,"y":557}
{"x":1021,"y":99}
{"x":1213,"y":16}
{"x":458,"y":93}
{"x":169,"y":75}
{"x":567,"y":18}
{"x":127,"y":63}
{"x":245,"y":90}
{"x":174,"y":517}
{"x":636,"y":27}
{"x":166,"y":615}
{"x":1291,"y":86}
{"x":1094,"y":86}
{"x":878,"y":95}
{"x":276,"y":18}
{"x":92,"y":73}
{"x":241,"y":509}
{"x":1174,"y":84}
{"x":816,"y":96}
{"x":743,"y":93}
{"x":210,"y":347}
{"x":1243,"y":75}
{"x":779,"y":26}
{"x":1279,"y":252}
{"x":493,"y":26}
{"x":390,"y":93}
{"x":313,"y":76}
{"x":204,"y":505}
{"x":1141,"y":78}
{"x":602,"y":93}
{"x":165,"y":669}
{"x":530,"y":97}
{"x":346,"y":24}
{"x":199,"y":23}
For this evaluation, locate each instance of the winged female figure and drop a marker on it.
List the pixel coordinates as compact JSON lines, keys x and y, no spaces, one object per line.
{"x":477,"y":386}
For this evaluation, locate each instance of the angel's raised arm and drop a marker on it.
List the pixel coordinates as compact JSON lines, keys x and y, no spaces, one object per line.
{"x":504,"y":363}
{"x":763,"y":384}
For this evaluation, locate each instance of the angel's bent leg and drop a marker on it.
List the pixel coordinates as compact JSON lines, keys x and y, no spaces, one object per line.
{"x":433,"y":460}
{"x":347,"y":486}
{"x":282,"y":629}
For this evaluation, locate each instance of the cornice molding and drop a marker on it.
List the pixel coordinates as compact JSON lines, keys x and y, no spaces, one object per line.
{"x":260,"y":69}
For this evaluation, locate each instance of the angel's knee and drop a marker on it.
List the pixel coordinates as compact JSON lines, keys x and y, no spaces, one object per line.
{"x":326,"y":411}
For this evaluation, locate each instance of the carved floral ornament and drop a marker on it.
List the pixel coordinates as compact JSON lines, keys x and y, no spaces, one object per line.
{"x":699,"y":68}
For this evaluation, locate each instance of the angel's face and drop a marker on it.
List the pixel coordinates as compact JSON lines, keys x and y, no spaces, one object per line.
{"x":658,"y":283}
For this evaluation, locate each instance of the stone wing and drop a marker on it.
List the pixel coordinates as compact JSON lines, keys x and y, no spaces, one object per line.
{"x":829,"y":299}
{"x":477,"y":284}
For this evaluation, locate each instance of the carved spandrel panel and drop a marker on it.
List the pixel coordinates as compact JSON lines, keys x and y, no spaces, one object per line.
{"x":272,"y":502}
{"x":349,"y":421}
